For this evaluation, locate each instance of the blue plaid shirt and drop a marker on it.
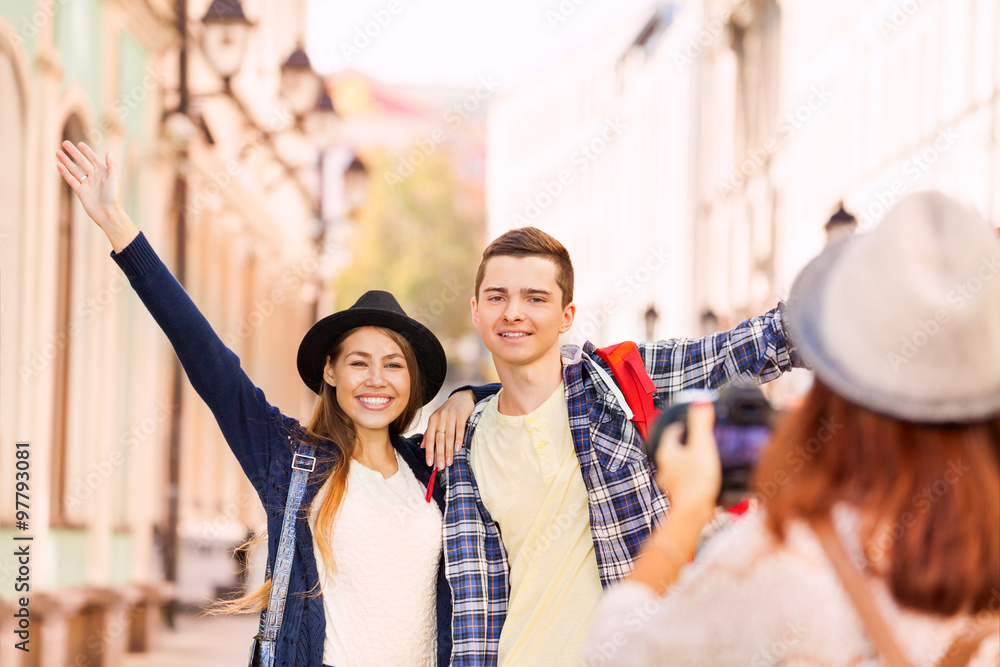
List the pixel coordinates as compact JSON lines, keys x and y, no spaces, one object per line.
{"x":624,"y":501}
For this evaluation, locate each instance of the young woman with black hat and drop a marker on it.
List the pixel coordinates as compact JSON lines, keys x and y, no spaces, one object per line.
{"x":363,"y":573}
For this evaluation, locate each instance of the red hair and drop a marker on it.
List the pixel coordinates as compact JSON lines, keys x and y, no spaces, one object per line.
{"x":930,"y":493}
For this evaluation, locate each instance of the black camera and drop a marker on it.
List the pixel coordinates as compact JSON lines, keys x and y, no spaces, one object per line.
{"x":743,"y":421}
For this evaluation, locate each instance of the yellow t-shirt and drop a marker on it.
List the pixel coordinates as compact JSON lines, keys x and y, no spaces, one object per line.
{"x":530,"y":482}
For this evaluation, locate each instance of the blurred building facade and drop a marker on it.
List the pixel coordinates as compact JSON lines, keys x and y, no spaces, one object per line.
{"x":425,"y":150}
{"x":807,"y":103}
{"x":401,"y":119}
{"x":412,"y":124}
{"x":597,"y":151}
{"x":745,"y":123}
{"x":87,"y":377}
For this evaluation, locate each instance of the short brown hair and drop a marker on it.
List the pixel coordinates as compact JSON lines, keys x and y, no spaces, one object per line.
{"x":531,"y":242}
{"x":931,"y":490}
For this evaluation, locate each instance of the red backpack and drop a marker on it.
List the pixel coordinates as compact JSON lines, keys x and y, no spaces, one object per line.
{"x":633,"y":380}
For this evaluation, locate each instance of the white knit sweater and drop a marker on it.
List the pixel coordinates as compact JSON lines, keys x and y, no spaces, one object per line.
{"x":380,"y":598}
{"x":750,"y":600}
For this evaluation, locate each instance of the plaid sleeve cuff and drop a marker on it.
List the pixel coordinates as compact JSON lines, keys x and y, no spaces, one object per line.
{"x":793,"y":349}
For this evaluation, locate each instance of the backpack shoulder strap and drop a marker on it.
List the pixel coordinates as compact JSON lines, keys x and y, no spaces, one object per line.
{"x":633,"y":381}
{"x":966,"y":644}
{"x":303,"y":463}
{"x":864,"y":604}
{"x":962,"y":649}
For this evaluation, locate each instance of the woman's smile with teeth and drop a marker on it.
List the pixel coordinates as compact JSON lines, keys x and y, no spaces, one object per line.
{"x":376,"y":401}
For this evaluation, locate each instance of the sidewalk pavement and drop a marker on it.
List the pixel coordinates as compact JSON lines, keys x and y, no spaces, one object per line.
{"x":201,"y":641}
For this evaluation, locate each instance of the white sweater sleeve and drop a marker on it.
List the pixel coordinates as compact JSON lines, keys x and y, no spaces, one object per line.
{"x":710,"y":616}
{"x":751,"y":601}
{"x":616,"y":636}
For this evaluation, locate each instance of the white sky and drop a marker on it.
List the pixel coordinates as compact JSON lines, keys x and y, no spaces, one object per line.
{"x":455,"y":42}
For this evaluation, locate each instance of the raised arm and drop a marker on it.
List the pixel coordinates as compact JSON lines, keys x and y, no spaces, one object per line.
{"x":759,"y":348}
{"x":244,"y":416}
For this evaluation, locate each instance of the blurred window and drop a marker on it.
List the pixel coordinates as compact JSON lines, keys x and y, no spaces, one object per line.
{"x":61,"y":404}
{"x":11,"y":311}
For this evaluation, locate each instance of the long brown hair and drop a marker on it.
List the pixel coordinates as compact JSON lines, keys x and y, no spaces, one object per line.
{"x":333,"y":433}
{"x":930,"y":494}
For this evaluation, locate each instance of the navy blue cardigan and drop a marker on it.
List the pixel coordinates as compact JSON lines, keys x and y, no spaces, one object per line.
{"x":262,"y":439}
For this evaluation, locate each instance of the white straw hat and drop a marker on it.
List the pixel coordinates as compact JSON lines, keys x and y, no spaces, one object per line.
{"x":905,"y":319}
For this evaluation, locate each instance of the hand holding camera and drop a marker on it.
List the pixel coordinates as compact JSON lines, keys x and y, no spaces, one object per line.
{"x":689,"y":471}
{"x":737,"y":434}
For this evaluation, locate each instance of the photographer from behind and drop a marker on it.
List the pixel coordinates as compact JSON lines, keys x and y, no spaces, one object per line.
{"x":882,"y":544}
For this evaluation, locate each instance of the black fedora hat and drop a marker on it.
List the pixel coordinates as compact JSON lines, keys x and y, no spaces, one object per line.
{"x":375,"y":308}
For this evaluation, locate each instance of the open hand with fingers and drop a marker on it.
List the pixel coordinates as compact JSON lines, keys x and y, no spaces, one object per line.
{"x":446,"y":428}
{"x":97,"y":183}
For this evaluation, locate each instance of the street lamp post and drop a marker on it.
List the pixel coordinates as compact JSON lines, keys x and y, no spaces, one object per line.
{"x":225,"y":40}
{"x":316,"y":117}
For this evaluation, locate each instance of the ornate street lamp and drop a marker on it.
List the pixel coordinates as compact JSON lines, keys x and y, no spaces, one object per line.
{"x":225,"y":37}
{"x":300,"y":85}
{"x":841,"y":224}
{"x":225,"y":41}
{"x":651,"y":317}
{"x":355,"y":184}
{"x":321,"y":123}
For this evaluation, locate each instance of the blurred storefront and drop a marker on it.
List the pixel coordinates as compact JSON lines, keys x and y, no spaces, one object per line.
{"x":220,"y":171}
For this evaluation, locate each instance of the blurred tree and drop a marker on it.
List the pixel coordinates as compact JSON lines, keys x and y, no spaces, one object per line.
{"x":414,"y":238}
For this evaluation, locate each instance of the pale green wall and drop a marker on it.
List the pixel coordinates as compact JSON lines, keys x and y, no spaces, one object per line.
{"x":136,"y":90}
{"x":136,"y":86}
{"x":120,"y":563}
{"x":23,"y":17}
{"x":65,"y":558}
{"x":78,"y":39}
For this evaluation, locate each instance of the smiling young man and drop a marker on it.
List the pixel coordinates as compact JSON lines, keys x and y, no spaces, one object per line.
{"x":552,"y":495}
